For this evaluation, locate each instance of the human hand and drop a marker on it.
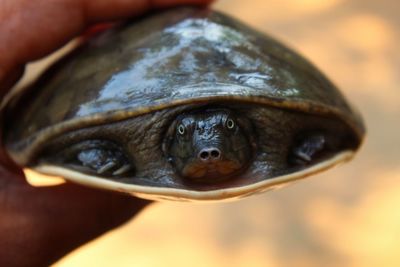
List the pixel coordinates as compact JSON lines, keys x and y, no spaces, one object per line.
{"x":39,"y":225}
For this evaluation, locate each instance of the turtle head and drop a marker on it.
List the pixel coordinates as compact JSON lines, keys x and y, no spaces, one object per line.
{"x":209,"y":145}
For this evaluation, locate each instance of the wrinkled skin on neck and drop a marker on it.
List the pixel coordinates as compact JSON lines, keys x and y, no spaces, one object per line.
{"x":210,"y":145}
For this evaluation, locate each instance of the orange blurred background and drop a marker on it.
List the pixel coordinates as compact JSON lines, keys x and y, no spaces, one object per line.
{"x":348,"y":216}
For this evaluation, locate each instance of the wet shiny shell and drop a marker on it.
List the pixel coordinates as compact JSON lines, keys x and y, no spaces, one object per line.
{"x":158,"y":67}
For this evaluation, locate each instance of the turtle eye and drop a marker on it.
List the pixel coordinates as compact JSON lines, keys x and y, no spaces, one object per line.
{"x":181,"y":129}
{"x":230,"y":124}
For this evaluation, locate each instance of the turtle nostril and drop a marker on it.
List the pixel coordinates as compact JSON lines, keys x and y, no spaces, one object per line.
{"x":215,"y":153}
{"x":204,"y":155}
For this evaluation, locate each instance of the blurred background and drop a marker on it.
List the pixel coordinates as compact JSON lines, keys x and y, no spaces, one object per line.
{"x":347,"y":216}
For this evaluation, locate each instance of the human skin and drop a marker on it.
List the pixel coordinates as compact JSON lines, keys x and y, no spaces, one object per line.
{"x":39,"y":225}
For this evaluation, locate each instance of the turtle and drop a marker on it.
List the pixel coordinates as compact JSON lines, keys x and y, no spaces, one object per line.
{"x":184,"y":104}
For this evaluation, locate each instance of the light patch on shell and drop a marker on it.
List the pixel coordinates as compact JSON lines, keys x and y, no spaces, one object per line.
{"x":288,"y":92}
{"x":191,"y":29}
{"x":255,"y":80}
{"x":212,"y":90}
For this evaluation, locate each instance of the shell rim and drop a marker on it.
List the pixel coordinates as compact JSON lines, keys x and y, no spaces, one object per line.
{"x":163,"y":193}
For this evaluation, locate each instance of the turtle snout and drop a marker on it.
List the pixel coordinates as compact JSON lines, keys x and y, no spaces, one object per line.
{"x":208,"y":146}
{"x":210,"y":154}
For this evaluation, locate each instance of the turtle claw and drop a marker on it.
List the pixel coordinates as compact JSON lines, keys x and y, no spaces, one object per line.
{"x":106,"y":167}
{"x":125,"y":168}
{"x":303,"y":156}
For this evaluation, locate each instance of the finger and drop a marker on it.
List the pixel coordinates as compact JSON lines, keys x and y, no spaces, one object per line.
{"x":76,"y":202}
{"x":30,"y":29}
{"x":101,"y":10}
{"x":83,"y":214}
{"x":66,"y":217}
{"x":10,"y":172}
{"x":8,"y":177}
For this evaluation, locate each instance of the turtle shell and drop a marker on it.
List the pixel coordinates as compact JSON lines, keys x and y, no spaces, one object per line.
{"x":167,"y":63}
